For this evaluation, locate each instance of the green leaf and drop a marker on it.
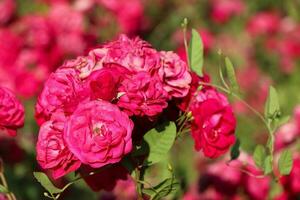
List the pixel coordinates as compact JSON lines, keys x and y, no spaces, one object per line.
{"x":46,"y":183}
{"x":268,"y":167}
{"x":272,"y":108}
{"x":285,"y":162}
{"x":196,"y":53}
{"x":235,"y":150}
{"x":159,"y":141}
{"x":231,"y":75}
{"x":259,"y":156}
{"x":3,"y":190}
{"x":165,"y":188}
{"x":222,"y":78}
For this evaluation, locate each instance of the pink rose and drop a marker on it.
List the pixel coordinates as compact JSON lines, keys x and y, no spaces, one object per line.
{"x":134,"y":54}
{"x":214,"y":123}
{"x":11,"y":112}
{"x":104,"y":83}
{"x":63,"y":90}
{"x":98,"y":133}
{"x":52,"y":152}
{"x":174,"y":74}
{"x":143,"y":95}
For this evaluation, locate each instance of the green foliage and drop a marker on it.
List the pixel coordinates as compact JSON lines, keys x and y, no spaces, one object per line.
{"x":165,"y":188}
{"x":259,"y":156}
{"x":235,"y":150}
{"x":285,"y":162}
{"x":196,"y":53}
{"x":3,"y":190}
{"x":268,"y":165}
{"x":46,"y":183}
{"x":159,"y":141}
{"x":231,"y":75}
{"x":272,"y":108}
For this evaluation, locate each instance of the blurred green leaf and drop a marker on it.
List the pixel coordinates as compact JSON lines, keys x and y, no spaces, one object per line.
{"x":196,"y":53}
{"x":231,"y":75}
{"x":165,"y":188}
{"x":285,"y":162}
{"x":159,"y":141}
{"x":259,"y":156}
{"x":235,"y":150}
{"x":268,"y":166}
{"x":3,"y":190}
{"x":46,"y":183}
{"x":272,"y":108}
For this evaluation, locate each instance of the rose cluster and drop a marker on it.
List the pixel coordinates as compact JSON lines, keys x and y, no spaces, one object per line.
{"x":88,"y":106}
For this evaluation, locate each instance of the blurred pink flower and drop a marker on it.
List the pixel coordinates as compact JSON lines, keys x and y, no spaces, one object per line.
{"x":263,"y":23}
{"x":7,"y":9}
{"x":11,"y":112}
{"x":291,"y":183}
{"x":129,"y":13}
{"x":223,"y":10}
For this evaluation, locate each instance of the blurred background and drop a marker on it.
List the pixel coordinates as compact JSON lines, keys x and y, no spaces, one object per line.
{"x":262,"y":38}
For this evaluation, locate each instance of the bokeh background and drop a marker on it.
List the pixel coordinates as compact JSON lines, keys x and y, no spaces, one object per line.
{"x":262,"y":38}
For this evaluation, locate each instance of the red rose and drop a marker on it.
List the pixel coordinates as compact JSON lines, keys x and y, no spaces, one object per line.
{"x":213,"y":124}
{"x":104,"y":83}
{"x":11,"y":112}
{"x":98,"y":133}
{"x":52,"y":152}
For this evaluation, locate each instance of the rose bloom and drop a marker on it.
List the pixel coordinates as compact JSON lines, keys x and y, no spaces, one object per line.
{"x":174,"y":74}
{"x":213,"y":123}
{"x":63,"y":90}
{"x":52,"y":151}
{"x":11,"y":112}
{"x":104,"y":83}
{"x":98,"y":133}
{"x":142,"y":95}
{"x":134,"y":54}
